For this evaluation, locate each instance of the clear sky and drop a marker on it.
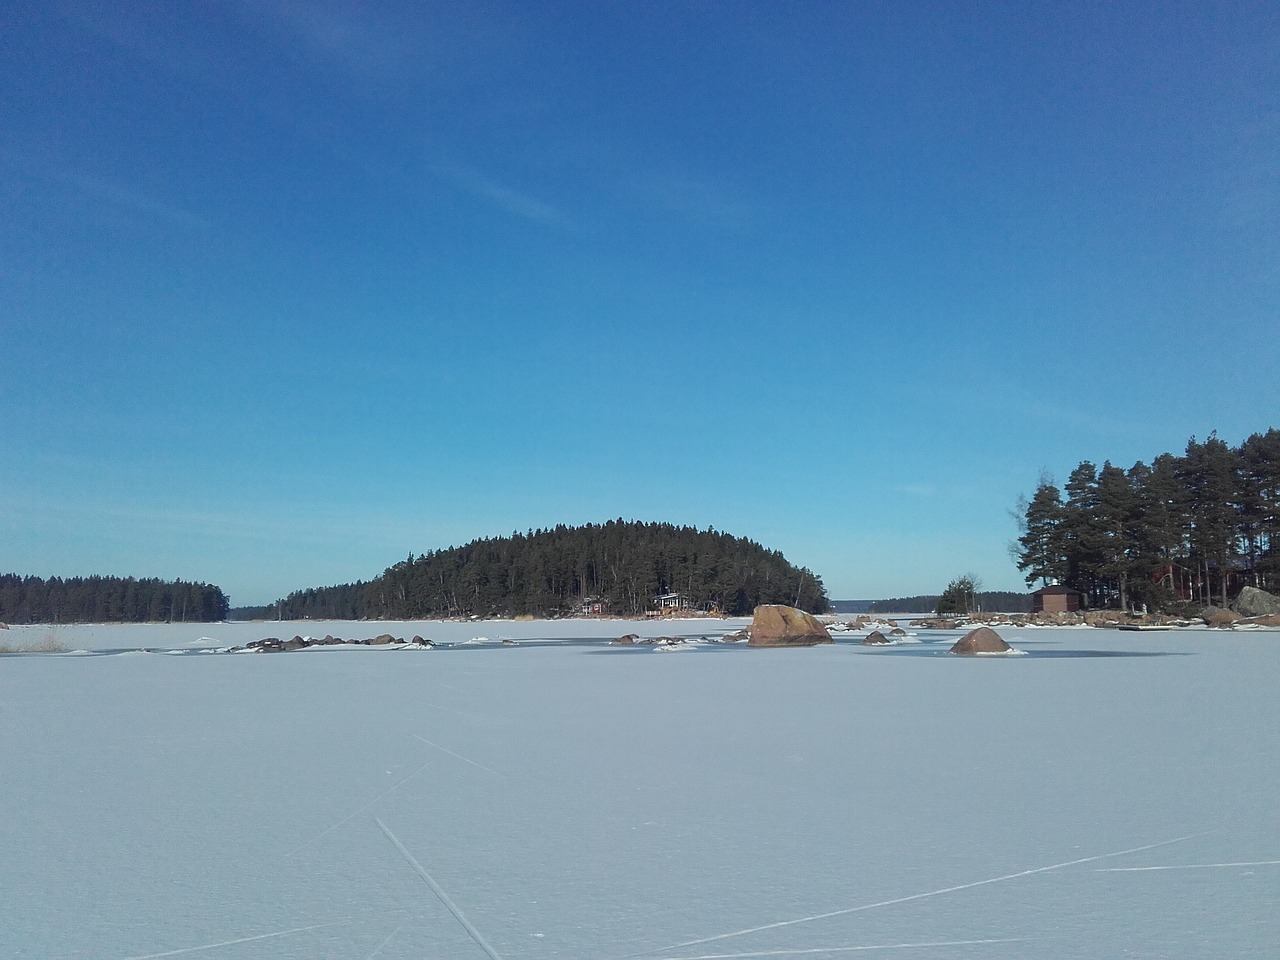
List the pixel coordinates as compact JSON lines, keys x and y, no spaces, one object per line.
{"x":292,"y":288}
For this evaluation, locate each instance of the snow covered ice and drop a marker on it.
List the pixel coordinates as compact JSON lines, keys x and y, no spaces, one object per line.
{"x":1107,"y":794}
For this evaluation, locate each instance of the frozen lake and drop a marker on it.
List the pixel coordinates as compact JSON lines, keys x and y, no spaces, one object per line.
{"x":1109,"y":794}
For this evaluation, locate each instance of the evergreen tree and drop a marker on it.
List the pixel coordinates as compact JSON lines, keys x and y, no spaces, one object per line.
{"x":1042,"y":556}
{"x":960,"y":596}
{"x":1117,"y":535}
{"x":1211,"y":479}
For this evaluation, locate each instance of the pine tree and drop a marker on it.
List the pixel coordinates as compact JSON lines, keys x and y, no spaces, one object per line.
{"x":1041,"y":555}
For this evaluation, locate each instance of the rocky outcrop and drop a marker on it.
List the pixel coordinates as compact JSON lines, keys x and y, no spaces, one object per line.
{"x":775,"y":625}
{"x":625,"y":640}
{"x":1253,"y":602}
{"x":381,"y":639}
{"x":982,"y":640}
{"x":935,"y":623}
{"x":735,"y":637}
{"x":875,"y":638}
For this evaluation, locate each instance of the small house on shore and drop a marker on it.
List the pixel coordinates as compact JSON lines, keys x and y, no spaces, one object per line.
{"x":671,"y":601}
{"x":1055,"y":598}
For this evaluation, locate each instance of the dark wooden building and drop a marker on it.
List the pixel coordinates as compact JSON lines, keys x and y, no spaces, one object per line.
{"x":1055,"y":599}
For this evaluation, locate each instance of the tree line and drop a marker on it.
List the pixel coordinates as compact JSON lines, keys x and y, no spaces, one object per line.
{"x":108,"y":600}
{"x":619,"y":567}
{"x":1190,"y":528}
{"x":1004,"y":601}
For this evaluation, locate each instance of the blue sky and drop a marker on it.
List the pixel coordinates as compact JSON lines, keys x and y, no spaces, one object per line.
{"x":289,"y":290}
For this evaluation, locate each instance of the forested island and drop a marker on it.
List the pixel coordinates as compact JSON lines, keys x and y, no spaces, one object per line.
{"x":624,"y":568}
{"x":108,"y":600}
{"x":1189,"y":529}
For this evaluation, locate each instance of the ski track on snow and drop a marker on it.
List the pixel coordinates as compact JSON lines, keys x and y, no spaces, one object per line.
{"x":355,"y":813}
{"x":915,"y":896}
{"x":1190,"y":866}
{"x":228,"y":943}
{"x":439,"y":892}
{"x":459,"y":756}
{"x":869,"y":947}
{"x":390,"y":936}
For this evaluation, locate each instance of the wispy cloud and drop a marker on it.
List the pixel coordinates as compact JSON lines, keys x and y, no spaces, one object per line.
{"x":357,"y":38}
{"x":701,"y":201}
{"x":125,"y":197}
{"x":503,"y":197}
{"x":32,"y":163}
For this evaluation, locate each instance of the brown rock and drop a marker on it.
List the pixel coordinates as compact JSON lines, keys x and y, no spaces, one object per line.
{"x":736,"y":637}
{"x":382,"y":638}
{"x":897,"y":632}
{"x":626,"y":639}
{"x":775,"y":625}
{"x":982,"y":640}
{"x":875,"y":638}
{"x":1217,"y":617}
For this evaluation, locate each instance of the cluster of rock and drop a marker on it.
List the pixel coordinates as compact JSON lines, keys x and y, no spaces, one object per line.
{"x":773,"y":625}
{"x":876,"y":638}
{"x":634,"y":639}
{"x":862,"y":622}
{"x":276,"y":645}
{"x":1088,"y":618}
{"x":630,"y":639}
{"x":1242,"y":615}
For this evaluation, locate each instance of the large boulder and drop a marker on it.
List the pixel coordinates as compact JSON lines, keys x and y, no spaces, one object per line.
{"x":982,"y":640}
{"x":1253,"y":602}
{"x":875,"y":638}
{"x":775,"y":625}
{"x":1218,"y":617}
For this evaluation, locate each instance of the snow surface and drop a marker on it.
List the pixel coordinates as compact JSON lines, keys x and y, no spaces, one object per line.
{"x":1107,"y":794}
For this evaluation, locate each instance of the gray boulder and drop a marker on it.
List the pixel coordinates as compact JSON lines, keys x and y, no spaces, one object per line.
{"x":1253,"y":602}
